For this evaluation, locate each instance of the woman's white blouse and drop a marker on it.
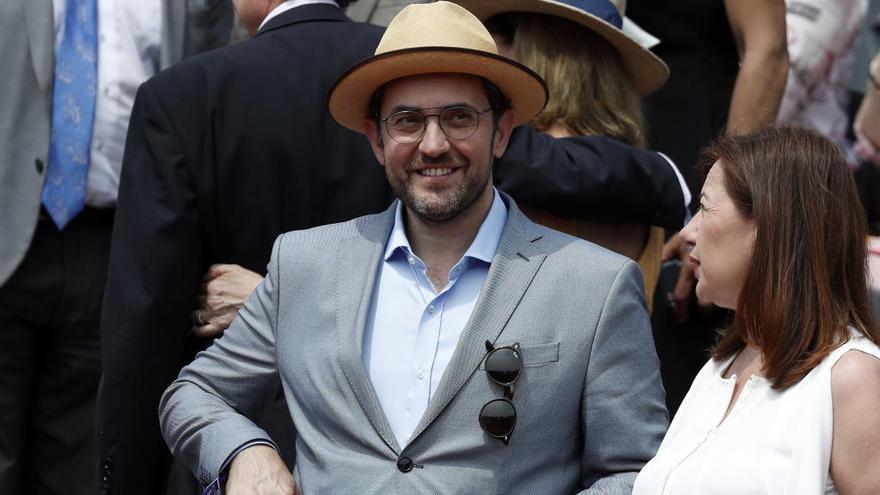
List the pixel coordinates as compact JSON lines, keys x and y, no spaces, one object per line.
{"x":772,"y":442}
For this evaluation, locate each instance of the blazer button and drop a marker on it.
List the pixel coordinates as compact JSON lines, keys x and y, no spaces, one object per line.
{"x":405,"y":464}
{"x":38,"y":164}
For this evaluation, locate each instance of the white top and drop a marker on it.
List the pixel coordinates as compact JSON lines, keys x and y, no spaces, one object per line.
{"x":129,"y":38}
{"x":772,"y":442}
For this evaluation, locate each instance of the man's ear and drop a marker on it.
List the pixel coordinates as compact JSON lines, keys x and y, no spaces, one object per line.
{"x":502,"y":133}
{"x":373,"y":134}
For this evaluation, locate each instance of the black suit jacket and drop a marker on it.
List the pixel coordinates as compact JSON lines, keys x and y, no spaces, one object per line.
{"x":228,"y":150}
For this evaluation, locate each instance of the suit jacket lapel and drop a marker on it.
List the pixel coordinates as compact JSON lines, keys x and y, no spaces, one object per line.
{"x":359,"y":260}
{"x":41,"y":33}
{"x":515,"y":264}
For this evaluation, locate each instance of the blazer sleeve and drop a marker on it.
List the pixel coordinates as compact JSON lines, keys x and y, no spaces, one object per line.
{"x":155,"y":269}
{"x":624,"y":409}
{"x":201,"y":412}
{"x":592,"y":178}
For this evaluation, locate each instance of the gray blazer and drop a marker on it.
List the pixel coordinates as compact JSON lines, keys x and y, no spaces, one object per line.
{"x":27,"y":58}
{"x":589,"y":400}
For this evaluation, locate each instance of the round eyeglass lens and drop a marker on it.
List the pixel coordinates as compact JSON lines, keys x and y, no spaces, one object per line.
{"x":503,"y":365}
{"x":459,"y":122}
{"x":498,"y":417}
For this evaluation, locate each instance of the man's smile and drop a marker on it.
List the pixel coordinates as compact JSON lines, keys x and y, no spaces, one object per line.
{"x":436,"y":172}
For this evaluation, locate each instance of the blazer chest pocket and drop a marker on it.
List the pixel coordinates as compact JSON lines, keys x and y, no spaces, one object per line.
{"x":534,"y":355}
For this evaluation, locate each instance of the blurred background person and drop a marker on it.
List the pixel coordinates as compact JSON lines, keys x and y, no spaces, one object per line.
{"x":866,"y":128}
{"x":788,"y":402}
{"x":596,"y":75}
{"x":71,"y":70}
{"x":821,"y":50}
{"x":728,"y":65}
{"x":865,"y":150}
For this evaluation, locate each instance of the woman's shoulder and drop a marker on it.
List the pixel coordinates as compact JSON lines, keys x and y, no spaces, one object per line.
{"x":855,"y":390}
{"x":856,"y":369}
{"x":857,"y":341}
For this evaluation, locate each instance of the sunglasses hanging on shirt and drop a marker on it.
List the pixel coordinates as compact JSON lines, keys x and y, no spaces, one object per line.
{"x":503,"y":366}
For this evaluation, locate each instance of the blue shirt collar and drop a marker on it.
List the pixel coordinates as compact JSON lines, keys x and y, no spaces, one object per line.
{"x":482,"y":248}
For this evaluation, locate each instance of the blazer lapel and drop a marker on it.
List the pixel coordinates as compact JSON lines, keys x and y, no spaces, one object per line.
{"x":515,"y":264}
{"x":41,"y":33}
{"x":359,"y":260}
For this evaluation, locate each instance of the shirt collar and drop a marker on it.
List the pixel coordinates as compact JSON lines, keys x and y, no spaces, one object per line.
{"x":482,"y":248}
{"x":289,"y":4}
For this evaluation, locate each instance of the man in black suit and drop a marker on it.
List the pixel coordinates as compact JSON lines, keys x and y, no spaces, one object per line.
{"x":230,"y":149}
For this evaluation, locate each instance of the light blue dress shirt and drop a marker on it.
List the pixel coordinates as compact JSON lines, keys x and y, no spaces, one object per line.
{"x":412,"y":331}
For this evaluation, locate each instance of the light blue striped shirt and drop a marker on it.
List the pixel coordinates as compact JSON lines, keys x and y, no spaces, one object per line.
{"x":412,"y":332}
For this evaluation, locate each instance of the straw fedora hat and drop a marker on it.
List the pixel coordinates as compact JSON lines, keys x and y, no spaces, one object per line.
{"x":604,"y":17}
{"x":439,"y":37}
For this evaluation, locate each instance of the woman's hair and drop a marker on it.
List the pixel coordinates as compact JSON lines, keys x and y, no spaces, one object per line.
{"x":807,"y":281}
{"x":590,"y":91}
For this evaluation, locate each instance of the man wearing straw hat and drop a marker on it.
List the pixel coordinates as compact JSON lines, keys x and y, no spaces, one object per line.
{"x":449,"y":344}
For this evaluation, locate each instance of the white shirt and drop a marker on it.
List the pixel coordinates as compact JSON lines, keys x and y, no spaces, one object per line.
{"x":772,"y":442}
{"x":129,"y":37}
{"x":289,"y":4}
{"x":412,"y":332}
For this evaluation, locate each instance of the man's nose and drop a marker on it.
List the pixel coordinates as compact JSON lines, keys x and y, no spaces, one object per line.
{"x":434,"y":141}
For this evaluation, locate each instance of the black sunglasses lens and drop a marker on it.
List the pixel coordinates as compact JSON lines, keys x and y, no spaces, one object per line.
{"x":503,"y":365}
{"x":498,"y":417}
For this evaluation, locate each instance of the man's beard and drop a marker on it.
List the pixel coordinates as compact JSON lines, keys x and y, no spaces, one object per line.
{"x":449,"y":206}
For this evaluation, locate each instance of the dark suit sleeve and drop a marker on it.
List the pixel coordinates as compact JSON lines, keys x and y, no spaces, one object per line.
{"x":156,"y":264}
{"x":590,"y":177}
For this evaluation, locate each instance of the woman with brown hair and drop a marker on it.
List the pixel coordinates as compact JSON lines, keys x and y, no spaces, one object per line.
{"x":790,"y":401}
{"x":597,"y":76}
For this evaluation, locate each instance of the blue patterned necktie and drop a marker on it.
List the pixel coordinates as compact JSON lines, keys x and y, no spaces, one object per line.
{"x":73,"y":111}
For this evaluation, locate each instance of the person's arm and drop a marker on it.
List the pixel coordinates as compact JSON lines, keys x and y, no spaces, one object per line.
{"x":155,"y":268}
{"x":758,"y":27}
{"x":591,"y":178}
{"x":855,"y":448}
{"x":624,"y":410}
{"x":201,"y":413}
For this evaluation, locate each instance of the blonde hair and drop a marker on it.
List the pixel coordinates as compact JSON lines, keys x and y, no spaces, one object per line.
{"x":590,"y":91}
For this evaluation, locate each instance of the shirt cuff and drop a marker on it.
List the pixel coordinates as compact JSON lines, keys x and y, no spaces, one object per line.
{"x":685,"y":192}
{"x":215,"y":486}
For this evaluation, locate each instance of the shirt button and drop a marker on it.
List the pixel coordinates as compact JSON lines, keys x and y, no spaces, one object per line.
{"x":431,"y":309}
{"x":412,"y":261}
{"x":405,"y":464}
{"x":421,"y":374}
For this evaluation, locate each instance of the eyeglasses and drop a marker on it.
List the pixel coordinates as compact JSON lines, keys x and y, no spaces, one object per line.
{"x":498,"y":416}
{"x":408,"y":126}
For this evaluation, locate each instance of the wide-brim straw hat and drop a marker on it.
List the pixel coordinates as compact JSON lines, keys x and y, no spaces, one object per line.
{"x":439,"y":37}
{"x":604,"y":17}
